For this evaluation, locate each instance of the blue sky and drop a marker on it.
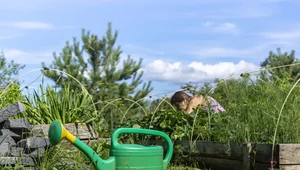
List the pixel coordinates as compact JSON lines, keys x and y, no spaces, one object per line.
{"x":179,"y":41}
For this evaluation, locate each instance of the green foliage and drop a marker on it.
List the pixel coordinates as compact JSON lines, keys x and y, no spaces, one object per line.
{"x":11,"y":95}
{"x":102,"y":148}
{"x":280,"y":59}
{"x":200,"y":125}
{"x":252,"y":108}
{"x":96,"y":64}
{"x":8,"y":70}
{"x":175,"y":123}
{"x":160,"y":104}
{"x":64,"y":157}
{"x":67,"y":106}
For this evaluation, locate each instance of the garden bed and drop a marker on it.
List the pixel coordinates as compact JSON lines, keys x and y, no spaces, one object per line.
{"x":234,"y":156}
{"x":214,"y":155}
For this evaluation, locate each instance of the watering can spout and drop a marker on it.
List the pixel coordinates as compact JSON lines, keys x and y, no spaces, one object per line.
{"x":57,"y":132}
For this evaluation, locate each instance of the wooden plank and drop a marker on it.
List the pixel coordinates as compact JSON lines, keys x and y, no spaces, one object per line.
{"x":81,"y":131}
{"x":259,"y":155}
{"x":247,"y":156}
{"x":216,"y":150}
{"x":263,"y":153}
{"x":217,"y":163}
{"x":232,"y":151}
{"x":205,"y":149}
{"x":261,"y":166}
{"x":289,"y":167}
{"x":289,"y":154}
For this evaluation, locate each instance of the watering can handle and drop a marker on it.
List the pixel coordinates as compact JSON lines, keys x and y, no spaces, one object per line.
{"x":169,"y":154}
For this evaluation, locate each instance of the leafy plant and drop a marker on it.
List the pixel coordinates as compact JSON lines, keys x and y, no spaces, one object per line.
{"x":178,"y":125}
{"x":8,"y":70}
{"x":278,"y":60}
{"x":10,"y":95}
{"x":67,"y":106}
{"x":252,"y":108}
{"x":63,"y":157}
{"x":102,"y":148}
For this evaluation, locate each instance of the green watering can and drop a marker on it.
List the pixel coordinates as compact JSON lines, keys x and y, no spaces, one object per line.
{"x":122,"y":156}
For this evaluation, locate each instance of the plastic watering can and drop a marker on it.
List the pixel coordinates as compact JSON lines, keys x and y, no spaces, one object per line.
{"x":122,"y":156}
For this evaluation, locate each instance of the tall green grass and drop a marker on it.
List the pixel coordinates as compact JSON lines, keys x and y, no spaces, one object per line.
{"x":253,"y":109}
{"x":67,"y":106}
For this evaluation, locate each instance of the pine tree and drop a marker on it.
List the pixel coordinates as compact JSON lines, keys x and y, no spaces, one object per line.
{"x":96,"y":65}
{"x":281,"y":59}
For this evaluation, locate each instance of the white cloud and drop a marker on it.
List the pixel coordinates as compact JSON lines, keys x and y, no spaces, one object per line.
{"x":7,"y":37}
{"x":286,"y":35}
{"x":227,"y":27}
{"x":210,"y":27}
{"x":221,"y":27}
{"x":27,"y":25}
{"x":194,"y":72}
{"x":23,"y":57}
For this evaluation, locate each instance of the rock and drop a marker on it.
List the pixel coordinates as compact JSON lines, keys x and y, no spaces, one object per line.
{"x":11,"y":111}
{"x":4,"y":124}
{"x":35,"y":133}
{"x":34,"y":143}
{"x":18,"y":124}
{"x":16,"y":151}
{"x":7,"y":139}
{"x":4,"y":149}
{"x":7,"y":132}
{"x":27,"y":161}
{"x":37,"y":153}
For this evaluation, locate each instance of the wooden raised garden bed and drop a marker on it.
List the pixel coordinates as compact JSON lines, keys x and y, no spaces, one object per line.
{"x":213,"y":155}
{"x":234,"y":156}
{"x":81,"y":130}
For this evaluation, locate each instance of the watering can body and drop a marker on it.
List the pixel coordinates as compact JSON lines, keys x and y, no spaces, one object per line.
{"x":122,"y":156}
{"x":134,"y":156}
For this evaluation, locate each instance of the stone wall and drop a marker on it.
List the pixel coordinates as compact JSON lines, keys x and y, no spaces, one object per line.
{"x":18,"y":143}
{"x":23,"y":144}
